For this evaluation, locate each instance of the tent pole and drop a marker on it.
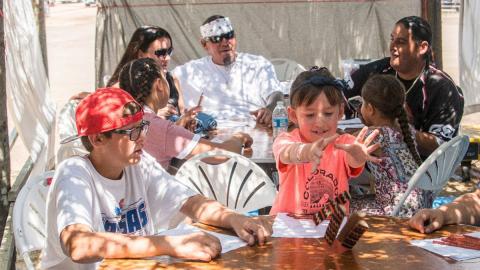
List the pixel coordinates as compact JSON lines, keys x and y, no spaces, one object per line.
{"x":42,"y":33}
{"x":432,"y":12}
{"x":4,"y":145}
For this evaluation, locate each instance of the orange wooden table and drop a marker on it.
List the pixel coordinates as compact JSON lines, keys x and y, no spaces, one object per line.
{"x":384,"y":246}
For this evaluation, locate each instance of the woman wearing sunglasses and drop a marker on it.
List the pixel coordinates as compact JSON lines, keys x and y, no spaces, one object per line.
{"x":156,"y":43}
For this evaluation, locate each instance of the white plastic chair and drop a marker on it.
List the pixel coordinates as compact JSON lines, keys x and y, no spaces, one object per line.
{"x":286,"y":69}
{"x":67,"y":128}
{"x":29,"y":216}
{"x":237,"y":183}
{"x":437,"y":169}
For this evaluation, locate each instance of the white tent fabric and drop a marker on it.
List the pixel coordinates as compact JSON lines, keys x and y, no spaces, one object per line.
{"x":470,"y":54}
{"x":29,"y":103}
{"x":309,"y":32}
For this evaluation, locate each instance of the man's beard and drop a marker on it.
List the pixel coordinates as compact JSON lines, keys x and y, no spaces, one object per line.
{"x":228,"y":59}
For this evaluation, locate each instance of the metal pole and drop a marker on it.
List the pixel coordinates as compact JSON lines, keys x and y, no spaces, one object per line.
{"x":4,"y":145}
{"x":432,"y":12}
{"x":42,"y":33}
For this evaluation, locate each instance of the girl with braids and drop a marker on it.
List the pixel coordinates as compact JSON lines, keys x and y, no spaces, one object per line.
{"x":145,"y":81}
{"x":383,"y":110}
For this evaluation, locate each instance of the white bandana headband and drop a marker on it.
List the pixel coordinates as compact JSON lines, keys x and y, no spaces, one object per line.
{"x":216,"y":28}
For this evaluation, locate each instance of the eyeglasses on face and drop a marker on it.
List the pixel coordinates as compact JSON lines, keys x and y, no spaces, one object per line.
{"x":217,"y":39}
{"x":164,"y":52}
{"x":135,"y":132}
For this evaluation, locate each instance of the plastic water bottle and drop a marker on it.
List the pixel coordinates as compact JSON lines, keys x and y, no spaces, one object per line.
{"x":279,"y":119}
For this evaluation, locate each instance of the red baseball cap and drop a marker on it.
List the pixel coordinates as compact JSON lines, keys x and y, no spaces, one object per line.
{"x":104,"y":110}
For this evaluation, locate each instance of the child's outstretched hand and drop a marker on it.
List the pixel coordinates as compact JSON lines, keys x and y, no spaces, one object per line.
{"x":359,"y":151}
{"x":313,"y":152}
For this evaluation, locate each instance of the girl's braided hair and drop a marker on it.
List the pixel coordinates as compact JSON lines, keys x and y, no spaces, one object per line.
{"x":387,"y":95}
{"x":138,"y":76}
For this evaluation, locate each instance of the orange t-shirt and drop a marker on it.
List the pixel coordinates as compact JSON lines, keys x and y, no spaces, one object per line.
{"x":303,"y":192}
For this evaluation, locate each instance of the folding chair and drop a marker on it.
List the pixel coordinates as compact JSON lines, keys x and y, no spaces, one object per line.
{"x":67,"y":128}
{"x":238,"y":182}
{"x":29,"y":216}
{"x":437,"y":169}
{"x":286,"y":69}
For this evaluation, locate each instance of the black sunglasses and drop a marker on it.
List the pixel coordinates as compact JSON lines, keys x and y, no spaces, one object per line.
{"x":164,"y":52}
{"x":135,"y":132}
{"x":217,"y":39}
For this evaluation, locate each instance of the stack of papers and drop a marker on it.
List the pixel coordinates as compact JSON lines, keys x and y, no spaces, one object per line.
{"x":456,"y":253}
{"x":285,"y":226}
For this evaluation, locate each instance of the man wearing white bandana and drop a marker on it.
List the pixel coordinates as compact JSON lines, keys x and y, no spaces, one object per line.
{"x":234,"y":85}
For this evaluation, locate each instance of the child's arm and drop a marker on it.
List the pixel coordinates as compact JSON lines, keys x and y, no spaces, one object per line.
{"x":360,"y":150}
{"x":305,"y":152}
{"x":83,"y":245}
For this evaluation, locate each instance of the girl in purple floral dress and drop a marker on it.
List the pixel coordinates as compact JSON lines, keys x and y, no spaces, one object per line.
{"x":383,"y":109}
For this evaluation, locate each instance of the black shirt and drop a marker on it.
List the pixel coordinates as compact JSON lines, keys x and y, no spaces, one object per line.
{"x":173,"y":98}
{"x":434,"y":100}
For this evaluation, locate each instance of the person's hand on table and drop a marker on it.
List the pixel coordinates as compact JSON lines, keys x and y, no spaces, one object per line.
{"x":244,"y":138}
{"x":251,"y":230}
{"x":427,"y":220}
{"x":188,"y":119}
{"x":196,"y":246}
{"x":263,"y":116}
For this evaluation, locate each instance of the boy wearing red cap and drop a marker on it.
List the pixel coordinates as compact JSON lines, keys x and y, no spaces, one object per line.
{"x":111,"y":202}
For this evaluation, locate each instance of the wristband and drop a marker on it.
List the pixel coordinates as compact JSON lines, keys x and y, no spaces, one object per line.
{"x":299,"y":152}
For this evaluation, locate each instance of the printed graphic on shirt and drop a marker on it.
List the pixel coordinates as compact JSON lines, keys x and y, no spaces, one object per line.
{"x":445,"y":131}
{"x":131,"y":219}
{"x":319,"y":187}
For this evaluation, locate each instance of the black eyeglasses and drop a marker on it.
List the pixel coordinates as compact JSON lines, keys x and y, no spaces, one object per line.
{"x":164,"y":52}
{"x":217,"y":39}
{"x":135,"y":132}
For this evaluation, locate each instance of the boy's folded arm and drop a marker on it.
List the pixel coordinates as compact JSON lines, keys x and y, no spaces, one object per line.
{"x":83,"y":245}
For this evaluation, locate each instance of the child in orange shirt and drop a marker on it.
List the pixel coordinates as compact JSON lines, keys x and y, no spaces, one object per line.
{"x":313,"y":161}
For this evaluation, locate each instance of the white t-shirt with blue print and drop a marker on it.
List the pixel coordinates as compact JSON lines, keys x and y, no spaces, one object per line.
{"x":142,"y":202}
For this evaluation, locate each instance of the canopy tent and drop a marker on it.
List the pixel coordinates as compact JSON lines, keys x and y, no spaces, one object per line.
{"x":469,"y":55}
{"x":29,"y":102}
{"x":309,"y":32}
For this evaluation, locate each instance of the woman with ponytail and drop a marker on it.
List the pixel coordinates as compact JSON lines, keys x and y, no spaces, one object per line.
{"x":383,"y":110}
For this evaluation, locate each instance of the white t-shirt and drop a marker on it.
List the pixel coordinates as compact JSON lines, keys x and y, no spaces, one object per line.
{"x":229,"y":92}
{"x":140,"y":203}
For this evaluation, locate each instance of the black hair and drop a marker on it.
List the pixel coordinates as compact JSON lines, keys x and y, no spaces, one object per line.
{"x":138,"y":76}
{"x":140,"y":41}
{"x":310,"y":84}
{"x":387,"y":95}
{"x":421,"y":31}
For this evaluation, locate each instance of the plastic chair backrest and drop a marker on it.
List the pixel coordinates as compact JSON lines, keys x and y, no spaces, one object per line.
{"x":237,"y":183}
{"x":67,"y":128}
{"x":29,"y":215}
{"x":286,"y":69}
{"x":437,"y":169}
